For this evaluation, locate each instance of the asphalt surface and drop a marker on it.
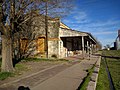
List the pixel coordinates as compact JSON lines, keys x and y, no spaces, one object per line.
{"x":68,"y":79}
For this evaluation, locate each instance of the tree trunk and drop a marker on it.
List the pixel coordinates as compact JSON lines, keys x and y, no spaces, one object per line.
{"x":7,"y":65}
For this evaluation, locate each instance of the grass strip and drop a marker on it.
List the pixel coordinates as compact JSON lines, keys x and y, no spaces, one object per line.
{"x":0,"y":61}
{"x":111,"y":53}
{"x":114,"y":68}
{"x":86,"y":80}
{"x":103,"y":82}
{"x":42,"y":59}
{"x":19,"y":69}
{"x":4,"y":75}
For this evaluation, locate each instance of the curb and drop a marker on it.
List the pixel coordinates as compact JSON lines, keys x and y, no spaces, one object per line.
{"x":93,"y":82}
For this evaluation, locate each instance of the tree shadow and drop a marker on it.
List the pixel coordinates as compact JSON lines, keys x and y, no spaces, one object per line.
{"x":15,"y":61}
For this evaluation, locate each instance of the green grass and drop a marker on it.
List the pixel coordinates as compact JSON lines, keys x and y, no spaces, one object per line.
{"x":100,"y":52}
{"x":4,"y":75}
{"x":114,"y":68}
{"x":86,"y":80}
{"x":42,"y":59}
{"x":0,"y":63}
{"x":111,"y":52}
{"x":20,"y":68}
{"x":103,"y":82}
{"x":34,"y":59}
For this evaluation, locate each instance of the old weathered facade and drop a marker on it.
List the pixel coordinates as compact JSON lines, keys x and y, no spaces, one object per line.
{"x":62,"y":41}
{"x":76,"y":42}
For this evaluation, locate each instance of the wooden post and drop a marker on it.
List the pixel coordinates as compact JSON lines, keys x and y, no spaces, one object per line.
{"x":89,"y":49}
{"x":87,"y":46}
{"x":92,"y":48}
{"x":83,"y":46}
{"x":72,"y":44}
{"x":46,"y":26}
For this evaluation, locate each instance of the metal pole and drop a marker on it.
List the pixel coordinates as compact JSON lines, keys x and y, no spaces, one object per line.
{"x":46,"y":26}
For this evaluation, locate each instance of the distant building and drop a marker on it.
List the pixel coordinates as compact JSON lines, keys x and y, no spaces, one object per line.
{"x":119,"y":34}
{"x":117,"y":42}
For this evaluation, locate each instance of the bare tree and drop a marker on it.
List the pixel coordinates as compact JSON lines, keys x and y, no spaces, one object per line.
{"x":13,"y":16}
{"x":10,"y":21}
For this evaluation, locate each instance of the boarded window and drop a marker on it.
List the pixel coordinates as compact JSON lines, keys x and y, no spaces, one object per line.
{"x":23,"y":44}
{"x":41,"y":44}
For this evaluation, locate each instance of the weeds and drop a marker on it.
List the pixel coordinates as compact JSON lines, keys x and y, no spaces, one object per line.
{"x":113,"y":66}
{"x":103,"y":82}
{"x":42,"y":59}
{"x":86,"y":80}
{"x":4,"y":75}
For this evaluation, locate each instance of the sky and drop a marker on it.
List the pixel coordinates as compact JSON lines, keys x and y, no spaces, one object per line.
{"x":101,"y":18}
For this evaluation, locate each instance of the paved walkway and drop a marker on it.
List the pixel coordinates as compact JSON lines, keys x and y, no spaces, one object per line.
{"x":68,"y":79}
{"x":59,"y":77}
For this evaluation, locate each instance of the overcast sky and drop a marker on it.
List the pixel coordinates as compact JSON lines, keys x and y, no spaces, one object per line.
{"x":99,"y":17}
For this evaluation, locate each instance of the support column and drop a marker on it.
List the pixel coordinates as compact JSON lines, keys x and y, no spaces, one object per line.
{"x":92,"y":49}
{"x":83,"y":47}
{"x":89,"y":50}
{"x":72,"y":44}
{"x":87,"y":46}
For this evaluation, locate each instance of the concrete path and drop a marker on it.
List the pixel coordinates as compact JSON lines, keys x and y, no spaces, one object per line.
{"x":68,"y":79}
